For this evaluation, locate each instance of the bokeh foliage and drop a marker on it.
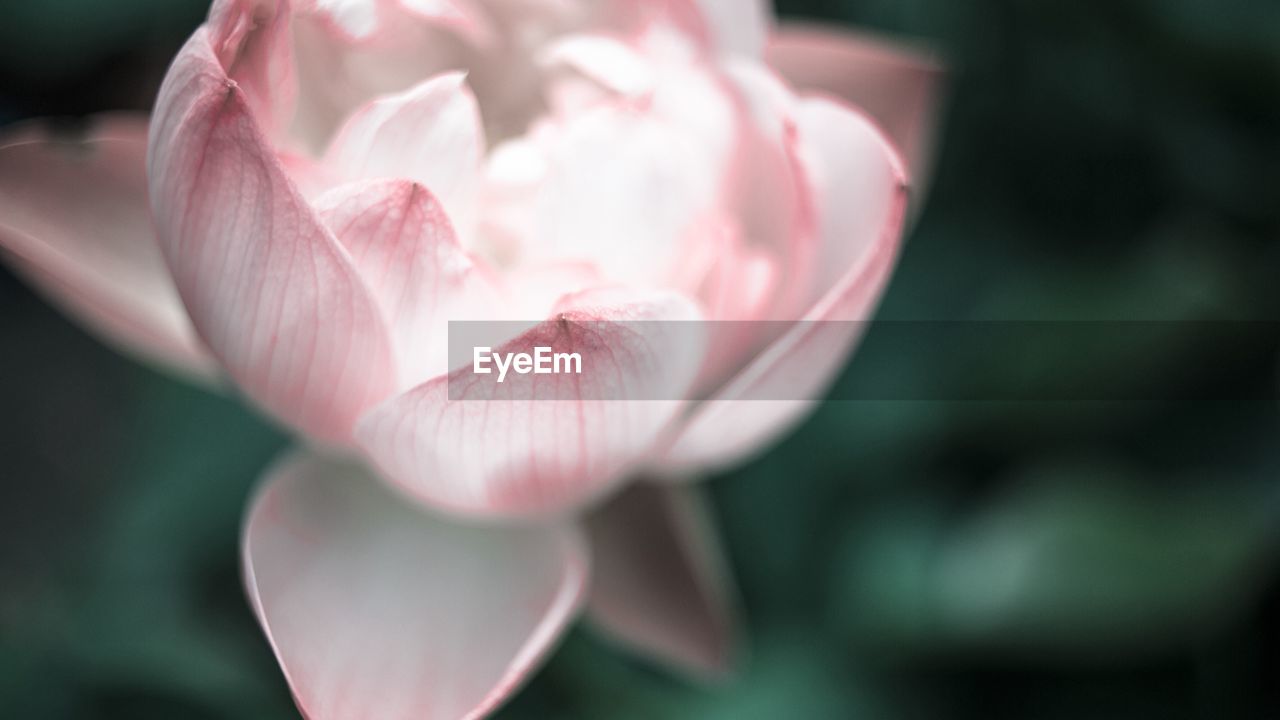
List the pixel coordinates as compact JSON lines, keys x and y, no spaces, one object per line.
{"x":1101,"y":160}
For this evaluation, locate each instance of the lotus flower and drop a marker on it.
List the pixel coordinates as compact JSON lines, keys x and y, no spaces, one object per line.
{"x":323,"y":185}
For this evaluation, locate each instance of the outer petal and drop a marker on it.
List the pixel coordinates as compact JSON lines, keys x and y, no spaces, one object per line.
{"x":544,"y":443}
{"x":74,"y":219}
{"x":862,"y":197}
{"x":430,"y":134}
{"x":377,"y":610}
{"x":405,"y":249}
{"x":897,"y":86}
{"x":268,"y":287}
{"x":660,"y":585}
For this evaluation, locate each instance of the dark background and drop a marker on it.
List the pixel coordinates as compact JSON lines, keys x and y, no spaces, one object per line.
{"x":1100,"y":160}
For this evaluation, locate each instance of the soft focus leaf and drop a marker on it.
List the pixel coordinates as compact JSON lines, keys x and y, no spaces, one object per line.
{"x":1072,"y":559}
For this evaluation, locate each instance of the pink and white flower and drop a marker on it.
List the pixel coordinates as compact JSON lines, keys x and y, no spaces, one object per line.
{"x":325,"y":184}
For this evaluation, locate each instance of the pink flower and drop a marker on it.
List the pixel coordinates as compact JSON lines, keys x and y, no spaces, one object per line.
{"x":331,"y":181}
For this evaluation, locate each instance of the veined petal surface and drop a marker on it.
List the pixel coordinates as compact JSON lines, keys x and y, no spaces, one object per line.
{"x":550,"y":443}
{"x":269,"y":289}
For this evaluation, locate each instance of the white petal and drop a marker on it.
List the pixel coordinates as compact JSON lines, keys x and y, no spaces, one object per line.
{"x":537,"y":444}
{"x":406,"y":251}
{"x":862,"y":202}
{"x":377,"y":610}
{"x":430,"y":134}
{"x":738,"y":26}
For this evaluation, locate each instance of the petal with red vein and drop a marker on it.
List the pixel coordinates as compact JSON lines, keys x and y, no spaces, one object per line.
{"x":251,"y":39}
{"x":74,"y":219}
{"x":270,"y":290}
{"x":430,"y":134}
{"x":862,"y":198}
{"x":898,"y":86}
{"x":404,"y":247}
{"x":376,"y":609}
{"x":659,"y":583}
{"x":540,"y":444}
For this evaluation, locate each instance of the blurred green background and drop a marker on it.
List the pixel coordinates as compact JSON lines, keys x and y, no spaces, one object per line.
{"x":1101,"y":159}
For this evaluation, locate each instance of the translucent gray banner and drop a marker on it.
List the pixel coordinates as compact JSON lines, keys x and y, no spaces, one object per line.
{"x":1003,"y":361}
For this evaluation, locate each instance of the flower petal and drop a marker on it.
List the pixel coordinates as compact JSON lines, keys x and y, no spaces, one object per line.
{"x":430,"y":134}
{"x":612,"y":64}
{"x":738,"y":26}
{"x":624,"y":185}
{"x":376,"y":609}
{"x":897,"y":86}
{"x":862,"y":198}
{"x":466,"y":17}
{"x":773,"y":199}
{"x":536,"y":291}
{"x":860,"y":185}
{"x":678,"y":20}
{"x":251,"y":39}
{"x":374,"y":48}
{"x":404,"y":247}
{"x":659,"y":584}
{"x":74,"y":219}
{"x":354,"y":19}
{"x":269,"y":289}
{"x":763,"y":264}
{"x":544,"y":443}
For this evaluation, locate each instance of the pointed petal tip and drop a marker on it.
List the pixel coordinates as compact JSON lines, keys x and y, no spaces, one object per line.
{"x":431,"y":133}
{"x":571,"y":437}
{"x":308,"y":347}
{"x":404,"y":245}
{"x":662,"y":587}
